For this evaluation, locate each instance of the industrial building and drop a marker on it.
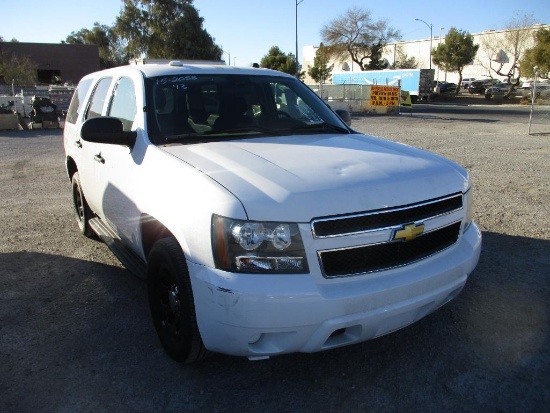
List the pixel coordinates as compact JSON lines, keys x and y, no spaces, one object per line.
{"x":56,"y":63}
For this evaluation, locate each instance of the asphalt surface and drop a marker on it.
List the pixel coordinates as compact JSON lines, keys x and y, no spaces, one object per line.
{"x":76,"y":334}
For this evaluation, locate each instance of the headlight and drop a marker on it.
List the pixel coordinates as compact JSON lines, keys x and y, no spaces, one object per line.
{"x":469,"y":209}
{"x":257,"y":247}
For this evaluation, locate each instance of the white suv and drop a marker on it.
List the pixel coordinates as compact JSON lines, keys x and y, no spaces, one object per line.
{"x":466,"y":82}
{"x":263,"y":224}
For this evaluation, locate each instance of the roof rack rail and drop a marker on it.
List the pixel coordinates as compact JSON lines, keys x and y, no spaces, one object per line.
{"x":175,"y":62}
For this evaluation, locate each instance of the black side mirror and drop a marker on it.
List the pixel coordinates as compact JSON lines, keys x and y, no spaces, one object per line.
{"x":344,"y":115}
{"x":106,"y":129}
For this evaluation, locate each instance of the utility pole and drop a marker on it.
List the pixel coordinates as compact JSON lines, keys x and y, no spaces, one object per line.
{"x":297,"y":69}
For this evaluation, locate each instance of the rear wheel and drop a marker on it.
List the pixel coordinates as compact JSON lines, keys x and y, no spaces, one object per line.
{"x":171,"y":302}
{"x":82,"y":210}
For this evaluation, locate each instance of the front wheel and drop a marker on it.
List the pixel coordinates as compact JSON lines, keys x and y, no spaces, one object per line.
{"x":82,"y":210}
{"x":171,"y":302}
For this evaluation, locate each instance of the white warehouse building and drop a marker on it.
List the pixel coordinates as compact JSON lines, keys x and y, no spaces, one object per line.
{"x":420,"y":50}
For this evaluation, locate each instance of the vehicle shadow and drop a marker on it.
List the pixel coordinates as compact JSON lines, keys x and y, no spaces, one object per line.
{"x":77,"y":336}
{"x":30,"y":133}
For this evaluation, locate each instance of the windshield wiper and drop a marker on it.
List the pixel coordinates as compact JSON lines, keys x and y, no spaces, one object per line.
{"x":214,"y":134}
{"x":320,"y":126}
{"x":245,"y":129}
{"x":181,"y":136}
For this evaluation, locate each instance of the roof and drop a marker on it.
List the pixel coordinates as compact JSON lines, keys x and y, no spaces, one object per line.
{"x":161,"y":67}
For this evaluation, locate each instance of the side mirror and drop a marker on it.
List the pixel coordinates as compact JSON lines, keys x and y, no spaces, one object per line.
{"x":106,"y":129}
{"x":344,"y":115}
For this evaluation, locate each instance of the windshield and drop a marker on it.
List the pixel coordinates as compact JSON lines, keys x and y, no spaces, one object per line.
{"x":191,"y":108}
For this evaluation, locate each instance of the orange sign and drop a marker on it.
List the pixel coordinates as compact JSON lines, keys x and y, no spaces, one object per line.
{"x":384,"y":96}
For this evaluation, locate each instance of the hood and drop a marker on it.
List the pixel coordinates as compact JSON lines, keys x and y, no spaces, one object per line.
{"x":301,"y":177}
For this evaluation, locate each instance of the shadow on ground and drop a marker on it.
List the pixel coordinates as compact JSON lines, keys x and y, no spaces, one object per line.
{"x":77,"y":336}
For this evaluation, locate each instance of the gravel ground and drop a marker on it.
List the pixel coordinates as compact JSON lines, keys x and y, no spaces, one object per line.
{"x":76,"y":335}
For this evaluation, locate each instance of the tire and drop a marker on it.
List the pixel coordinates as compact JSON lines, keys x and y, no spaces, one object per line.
{"x":171,"y":302}
{"x":83,"y":212}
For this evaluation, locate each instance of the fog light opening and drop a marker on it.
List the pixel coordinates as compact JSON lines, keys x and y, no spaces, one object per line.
{"x":254,"y":338}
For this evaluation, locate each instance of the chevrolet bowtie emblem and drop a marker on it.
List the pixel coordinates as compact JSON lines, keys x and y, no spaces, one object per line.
{"x":409,"y":232}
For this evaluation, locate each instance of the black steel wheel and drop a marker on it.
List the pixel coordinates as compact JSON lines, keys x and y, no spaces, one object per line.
{"x":171,"y":302}
{"x":82,"y":211}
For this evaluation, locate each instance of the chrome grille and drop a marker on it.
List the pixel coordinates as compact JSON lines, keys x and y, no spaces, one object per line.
{"x":373,"y":220}
{"x":393,"y":253}
{"x":377,"y":257}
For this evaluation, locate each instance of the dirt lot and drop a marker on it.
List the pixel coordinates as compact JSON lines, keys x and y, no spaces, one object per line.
{"x":76,"y":335}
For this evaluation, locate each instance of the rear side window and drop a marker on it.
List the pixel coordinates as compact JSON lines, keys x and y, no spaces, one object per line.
{"x":77,"y":101}
{"x":98,"y":98}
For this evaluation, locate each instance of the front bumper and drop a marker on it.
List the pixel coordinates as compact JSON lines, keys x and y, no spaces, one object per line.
{"x":259,"y":315}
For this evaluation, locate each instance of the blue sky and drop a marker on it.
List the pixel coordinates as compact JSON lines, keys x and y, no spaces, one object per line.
{"x":246,"y":29}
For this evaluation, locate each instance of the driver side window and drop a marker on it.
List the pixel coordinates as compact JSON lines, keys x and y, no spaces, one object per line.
{"x":123,"y":105}
{"x":97,"y":103}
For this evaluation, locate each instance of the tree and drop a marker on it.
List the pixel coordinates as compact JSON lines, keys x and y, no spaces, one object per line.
{"x":504,"y":53}
{"x":13,"y":40}
{"x":356,"y":35}
{"x":376,"y":62}
{"x":276,"y":59}
{"x":538,"y":56}
{"x":457,"y":51}
{"x":20,"y":70}
{"x":165,"y":29}
{"x":402,"y":61}
{"x":320,"y":72}
{"x":110,"y":49}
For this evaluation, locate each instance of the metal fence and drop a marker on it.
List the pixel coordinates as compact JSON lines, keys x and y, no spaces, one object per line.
{"x":539,"y":118}
{"x":345,"y":92}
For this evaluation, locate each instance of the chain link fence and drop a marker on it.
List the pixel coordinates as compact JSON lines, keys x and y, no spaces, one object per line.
{"x":342,"y":92}
{"x":539,"y":95}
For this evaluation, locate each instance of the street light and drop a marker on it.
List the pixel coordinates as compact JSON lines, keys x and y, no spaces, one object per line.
{"x":297,"y":3}
{"x":431,"y":38}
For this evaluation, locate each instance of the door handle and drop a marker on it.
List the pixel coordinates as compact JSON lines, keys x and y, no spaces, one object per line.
{"x":99,"y":158}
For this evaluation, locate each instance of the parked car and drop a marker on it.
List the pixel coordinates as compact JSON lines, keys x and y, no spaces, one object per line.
{"x":479,"y":86}
{"x":446,"y":88}
{"x":263,"y":224}
{"x":466,"y":82}
{"x":542,"y":91}
{"x":498,"y":89}
{"x":528,"y":84}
